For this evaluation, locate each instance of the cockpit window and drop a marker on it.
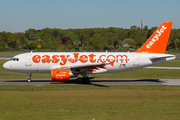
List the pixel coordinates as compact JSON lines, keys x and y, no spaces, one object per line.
{"x":14,"y":59}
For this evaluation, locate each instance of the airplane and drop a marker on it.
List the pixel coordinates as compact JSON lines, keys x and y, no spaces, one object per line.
{"x":65,"y":65}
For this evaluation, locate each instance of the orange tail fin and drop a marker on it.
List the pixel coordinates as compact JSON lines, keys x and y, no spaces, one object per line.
{"x":158,"y":41}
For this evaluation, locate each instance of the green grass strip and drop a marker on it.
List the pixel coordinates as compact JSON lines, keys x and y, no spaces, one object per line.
{"x":85,"y":87}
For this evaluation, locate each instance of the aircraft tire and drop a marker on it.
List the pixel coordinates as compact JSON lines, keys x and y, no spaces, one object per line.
{"x":86,"y":80}
{"x":29,"y":80}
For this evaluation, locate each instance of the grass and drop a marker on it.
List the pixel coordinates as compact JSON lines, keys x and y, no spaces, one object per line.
{"x":143,"y":74}
{"x":174,"y":53}
{"x":104,"y":104}
{"x":174,"y":63}
{"x":84,"y":87}
{"x":10,"y":53}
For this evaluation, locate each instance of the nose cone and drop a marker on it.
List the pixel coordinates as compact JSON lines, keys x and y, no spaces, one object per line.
{"x":5,"y":66}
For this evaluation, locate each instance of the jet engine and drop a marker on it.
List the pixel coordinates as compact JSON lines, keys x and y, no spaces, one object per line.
{"x":61,"y":74}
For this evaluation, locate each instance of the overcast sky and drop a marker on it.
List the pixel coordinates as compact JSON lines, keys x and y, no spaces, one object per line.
{"x":20,"y":15}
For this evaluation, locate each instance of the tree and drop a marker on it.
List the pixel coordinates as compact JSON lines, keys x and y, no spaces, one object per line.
{"x":78,"y":33}
{"x":61,"y":35}
{"x":46,"y":33}
{"x":145,"y":28}
{"x":32,"y":45}
{"x":21,"y":37}
{"x":98,"y":42}
{"x":31,"y":34}
{"x":64,"y":39}
{"x":128,"y":41}
{"x":173,"y":44}
{"x":110,"y":37}
{"x":121,"y":34}
{"x":153,"y":28}
{"x":10,"y":37}
{"x":58,"y":41}
{"x":133,"y":27}
{"x":132,"y":33}
{"x":116,"y":43}
{"x":12,"y":44}
{"x":72,"y":36}
{"x":48,"y":44}
{"x":55,"y":33}
{"x":3,"y":37}
{"x":149,"y":33}
{"x":69,"y":42}
{"x":140,"y":38}
{"x":112,"y":29}
{"x":91,"y":34}
{"x":81,"y":39}
{"x":2,"y":45}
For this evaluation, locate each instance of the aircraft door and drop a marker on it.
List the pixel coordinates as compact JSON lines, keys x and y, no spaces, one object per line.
{"x":136,"y":60}
{"x":28,"y":60}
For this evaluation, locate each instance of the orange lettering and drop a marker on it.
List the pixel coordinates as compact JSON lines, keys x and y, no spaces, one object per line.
{"x":91,"y":56}
{"x":101,"y":60}
{"x":55,"y":59}
{"x":46,"y":59}
{"x":64,"y":59}
{"x":83,"y":58}
{"x":121,"y":58}
{"x":75,"y":58}
{"x":111,"y":62}
{"x":35,"y":57}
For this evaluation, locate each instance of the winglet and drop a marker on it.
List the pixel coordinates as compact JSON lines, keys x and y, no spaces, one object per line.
{"x":158,"y":41}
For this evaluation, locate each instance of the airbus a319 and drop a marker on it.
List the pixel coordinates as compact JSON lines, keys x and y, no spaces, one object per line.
{"x":65,"y":65}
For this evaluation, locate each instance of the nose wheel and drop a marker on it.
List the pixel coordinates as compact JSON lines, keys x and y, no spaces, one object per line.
{"x":86,"y":80}
{"x":29,"y":78}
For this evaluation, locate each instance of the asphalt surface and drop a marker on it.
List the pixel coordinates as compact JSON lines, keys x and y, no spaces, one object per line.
{"x":96,"y":82}
{"x":5,"y":57}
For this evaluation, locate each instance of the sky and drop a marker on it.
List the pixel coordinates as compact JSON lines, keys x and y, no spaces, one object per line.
{"x":21,"y":15}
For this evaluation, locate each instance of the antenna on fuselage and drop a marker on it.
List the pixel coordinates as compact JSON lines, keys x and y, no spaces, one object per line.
{"x":31,"y":51}
{"x":106,"y":50}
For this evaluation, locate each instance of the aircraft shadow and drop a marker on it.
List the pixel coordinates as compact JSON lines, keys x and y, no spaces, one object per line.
{"x":96,"y":82}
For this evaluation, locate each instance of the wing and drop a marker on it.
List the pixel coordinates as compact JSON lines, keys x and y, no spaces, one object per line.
{"x":80,"y":68}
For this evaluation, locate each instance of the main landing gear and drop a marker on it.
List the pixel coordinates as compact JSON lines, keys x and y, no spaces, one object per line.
{"x":86,"y":80}
{"x":29,"y":78}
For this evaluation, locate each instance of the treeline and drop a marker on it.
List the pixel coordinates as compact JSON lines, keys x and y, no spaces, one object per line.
{"x":84,"y":39}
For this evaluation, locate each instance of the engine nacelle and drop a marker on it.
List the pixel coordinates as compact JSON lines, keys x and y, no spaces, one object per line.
{"x":61,"y":74}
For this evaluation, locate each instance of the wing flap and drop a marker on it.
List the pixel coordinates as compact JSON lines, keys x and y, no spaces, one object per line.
{"x":90,"y":66}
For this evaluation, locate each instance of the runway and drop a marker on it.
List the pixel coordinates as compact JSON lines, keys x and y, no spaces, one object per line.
{"x":5,"y":57}
{"x":97,"y":82}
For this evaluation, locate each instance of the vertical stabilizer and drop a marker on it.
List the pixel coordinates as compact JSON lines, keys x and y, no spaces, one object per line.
{"x":157,"y":43}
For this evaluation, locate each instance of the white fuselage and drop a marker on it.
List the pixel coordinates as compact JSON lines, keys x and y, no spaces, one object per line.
{"x":44,"y":62}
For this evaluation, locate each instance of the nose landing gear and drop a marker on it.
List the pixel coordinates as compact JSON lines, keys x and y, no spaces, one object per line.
{"x":29,"y":78}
